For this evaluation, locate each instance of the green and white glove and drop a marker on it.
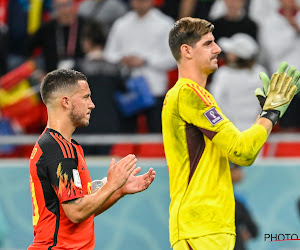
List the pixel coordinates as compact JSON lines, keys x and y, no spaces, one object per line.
{"x":262,"y":93}
{"x":278,"y":93}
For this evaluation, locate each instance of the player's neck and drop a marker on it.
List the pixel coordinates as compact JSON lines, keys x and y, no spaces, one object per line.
{"x":61,"y":124}
{"x":194,"y":75}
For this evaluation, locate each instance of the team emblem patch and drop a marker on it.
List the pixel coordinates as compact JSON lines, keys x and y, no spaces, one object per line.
{"x":213,"y":116}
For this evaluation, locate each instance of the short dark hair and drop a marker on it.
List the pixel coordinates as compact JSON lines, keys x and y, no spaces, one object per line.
{"x":188,"y":31}
{"x":59,"y":79}
{"x":93,"y":31}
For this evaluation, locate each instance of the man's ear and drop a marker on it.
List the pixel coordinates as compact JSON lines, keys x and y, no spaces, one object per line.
{"x":66,"y":102}
{"x":186,"y":51}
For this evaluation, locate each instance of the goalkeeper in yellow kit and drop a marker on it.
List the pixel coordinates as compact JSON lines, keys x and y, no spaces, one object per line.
{"x":199,"y":140}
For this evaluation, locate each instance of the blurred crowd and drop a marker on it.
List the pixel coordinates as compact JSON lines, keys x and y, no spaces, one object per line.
{"x":115,"y":42}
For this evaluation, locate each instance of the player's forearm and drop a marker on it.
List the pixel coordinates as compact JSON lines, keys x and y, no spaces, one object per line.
{"x":242,"y":147}
{"x":248,"y":145}
{"x":266,"y":123}
{"x":117,"y":195}
{"x":80,"y":209}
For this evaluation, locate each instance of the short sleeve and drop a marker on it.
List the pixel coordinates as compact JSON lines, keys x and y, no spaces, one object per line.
{"x":65,"y":179}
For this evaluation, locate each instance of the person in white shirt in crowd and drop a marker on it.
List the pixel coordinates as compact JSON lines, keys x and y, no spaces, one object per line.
{"x":233,"y":85}
{"x":260,"y":10}
{"x":280,"y":39}
{"x":280,"y":35}
{"x":139,"y":40}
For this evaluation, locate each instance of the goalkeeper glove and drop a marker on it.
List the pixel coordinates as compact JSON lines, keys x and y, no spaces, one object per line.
{"x":262,"y":93}
{"x":279,"y":92}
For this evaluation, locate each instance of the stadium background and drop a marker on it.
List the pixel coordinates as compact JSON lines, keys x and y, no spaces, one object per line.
{"x":140,"y":222}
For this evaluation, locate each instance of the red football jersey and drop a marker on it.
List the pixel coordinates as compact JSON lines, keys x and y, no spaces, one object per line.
{"x":58,"y":173}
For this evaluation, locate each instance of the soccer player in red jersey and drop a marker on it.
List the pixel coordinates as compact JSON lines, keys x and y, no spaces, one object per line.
{"x":64,"y":205}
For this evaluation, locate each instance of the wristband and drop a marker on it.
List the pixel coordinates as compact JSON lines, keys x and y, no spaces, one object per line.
{"x":272,"y":115}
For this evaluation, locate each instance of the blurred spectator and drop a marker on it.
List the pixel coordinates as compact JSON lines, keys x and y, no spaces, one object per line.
{"x":104,"y":79}
{"x":285,"y":22}
{"x":234,"y":21}
{"x":246,"y":228}
{"x":195,"y":8}
{"x":218,"y":9}
{"x":183,"y":8}
{"x":59,"y":38}
{"x":93,"y":62}
{"x":102,"y":11}
{"x":233,"y":85}
{"x":23,"y":18}
{"x":171,"y":8}
{"x":260,"y":11}
{"x":139,"y":40}
{"x":280,"y":39}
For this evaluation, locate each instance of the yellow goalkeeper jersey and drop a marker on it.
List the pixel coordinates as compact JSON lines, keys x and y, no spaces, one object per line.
{"x":198,"y":141}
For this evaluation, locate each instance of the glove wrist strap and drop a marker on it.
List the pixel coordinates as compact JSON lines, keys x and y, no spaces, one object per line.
{"x":272,"y":115}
